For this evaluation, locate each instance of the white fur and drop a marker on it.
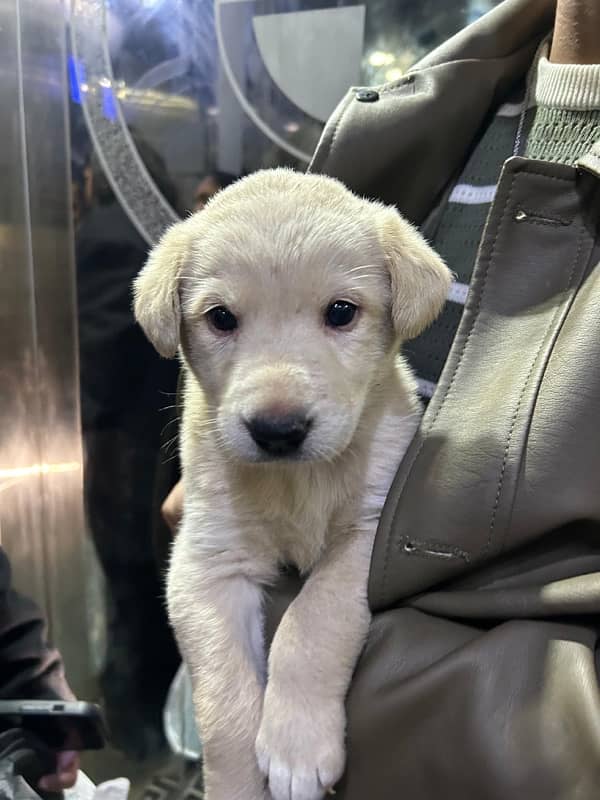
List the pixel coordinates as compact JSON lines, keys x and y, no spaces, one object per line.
{"x":276,"y":248}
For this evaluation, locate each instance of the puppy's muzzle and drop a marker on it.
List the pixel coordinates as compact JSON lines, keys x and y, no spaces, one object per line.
{"x":279,"y":434}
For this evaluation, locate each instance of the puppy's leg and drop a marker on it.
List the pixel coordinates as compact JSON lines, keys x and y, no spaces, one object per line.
{"x":300,"y":746}
{"x":217,"y":616}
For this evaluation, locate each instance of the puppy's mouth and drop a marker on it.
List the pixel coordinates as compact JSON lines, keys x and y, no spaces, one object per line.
{"x":279,"y":437}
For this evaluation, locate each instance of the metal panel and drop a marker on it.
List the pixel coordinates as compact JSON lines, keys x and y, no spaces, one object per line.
{"x":20,"y":511}
{"x":41,"y":510}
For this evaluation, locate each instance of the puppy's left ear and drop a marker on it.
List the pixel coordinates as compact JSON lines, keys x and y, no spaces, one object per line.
{"x":420,"y":279}
{"x":156,"y":302}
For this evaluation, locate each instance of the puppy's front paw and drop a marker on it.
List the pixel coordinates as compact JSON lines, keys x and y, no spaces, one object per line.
{"x":300,"y":746}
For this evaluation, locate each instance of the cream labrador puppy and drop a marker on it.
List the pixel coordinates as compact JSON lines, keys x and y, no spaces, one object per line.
{"x":290,"y":297}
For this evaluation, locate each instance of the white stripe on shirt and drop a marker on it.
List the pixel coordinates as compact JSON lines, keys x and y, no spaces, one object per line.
{"x":509,"y":110}
{"x":458,"y":293}
{"x":472,"y":195}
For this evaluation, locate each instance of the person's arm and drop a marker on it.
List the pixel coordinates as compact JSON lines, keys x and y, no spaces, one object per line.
{"x":172,"y":507}
{"x":29,"y":668}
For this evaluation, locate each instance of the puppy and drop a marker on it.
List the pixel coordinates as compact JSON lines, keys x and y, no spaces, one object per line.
{"x":290,"y":297}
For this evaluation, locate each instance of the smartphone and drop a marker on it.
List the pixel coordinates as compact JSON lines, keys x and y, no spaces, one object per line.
{"x":59,"y":725}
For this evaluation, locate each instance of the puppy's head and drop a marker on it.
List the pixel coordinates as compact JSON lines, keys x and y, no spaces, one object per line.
{"x":289,"y":296}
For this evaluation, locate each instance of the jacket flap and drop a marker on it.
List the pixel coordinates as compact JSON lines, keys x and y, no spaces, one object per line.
{"x":451,"y":503}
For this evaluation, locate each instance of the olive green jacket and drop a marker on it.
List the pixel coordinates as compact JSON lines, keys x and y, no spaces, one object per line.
{"x":479,"y":678}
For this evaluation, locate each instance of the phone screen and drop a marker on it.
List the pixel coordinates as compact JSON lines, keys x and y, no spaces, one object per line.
{"x":60,"y":731}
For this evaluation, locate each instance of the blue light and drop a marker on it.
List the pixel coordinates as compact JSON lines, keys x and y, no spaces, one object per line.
{"x":76,"y":72}
{"x":109,"y":105}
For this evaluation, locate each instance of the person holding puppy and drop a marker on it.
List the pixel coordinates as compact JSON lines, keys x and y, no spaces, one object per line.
{"x":479,"y":675}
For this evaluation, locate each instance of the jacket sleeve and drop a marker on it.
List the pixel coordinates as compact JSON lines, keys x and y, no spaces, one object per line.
{"x":29,"y":668}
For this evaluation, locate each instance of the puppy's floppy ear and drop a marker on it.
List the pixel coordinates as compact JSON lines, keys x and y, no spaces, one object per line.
{"x":155,"y":290}
{"x":420,"y":279}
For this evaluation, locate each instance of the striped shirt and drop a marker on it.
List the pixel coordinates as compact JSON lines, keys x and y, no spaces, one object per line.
{"x":562,"y":121}
{"x":458,"y":235}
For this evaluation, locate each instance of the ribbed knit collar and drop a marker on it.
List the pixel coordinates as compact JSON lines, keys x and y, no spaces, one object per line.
{"x":575,"y":87}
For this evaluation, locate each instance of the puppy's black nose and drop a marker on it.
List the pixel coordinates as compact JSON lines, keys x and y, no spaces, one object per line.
{"x":279,"y":434}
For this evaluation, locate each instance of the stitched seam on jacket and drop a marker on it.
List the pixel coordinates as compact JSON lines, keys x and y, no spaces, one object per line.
{"x":408,"y":81}
{"x":334,"y":134}
{"x":452,"y":379}
{"x":338,"y":123}
{"x":511,"y":431}
{"x":546,"y":337}
{"x":538,"y":218}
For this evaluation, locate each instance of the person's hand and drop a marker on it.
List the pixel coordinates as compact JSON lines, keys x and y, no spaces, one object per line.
{"x":67,"y":766}
{"x":172,"y":508}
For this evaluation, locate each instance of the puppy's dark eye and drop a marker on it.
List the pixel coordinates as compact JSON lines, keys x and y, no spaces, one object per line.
{"x":222,"y":319}
{"x":340,"y":314}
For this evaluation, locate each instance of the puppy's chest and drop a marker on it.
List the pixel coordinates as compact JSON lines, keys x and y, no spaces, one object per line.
{"x":297,"y":534}
{"x":296,"y":519}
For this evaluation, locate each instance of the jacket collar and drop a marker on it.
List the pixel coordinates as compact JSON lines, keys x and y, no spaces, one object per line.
{"x":404,"y":147}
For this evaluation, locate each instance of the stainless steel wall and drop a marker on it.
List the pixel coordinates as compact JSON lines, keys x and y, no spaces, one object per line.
{"x":41,"y":514}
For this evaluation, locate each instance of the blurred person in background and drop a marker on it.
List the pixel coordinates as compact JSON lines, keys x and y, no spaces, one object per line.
{"x":124,"y":387}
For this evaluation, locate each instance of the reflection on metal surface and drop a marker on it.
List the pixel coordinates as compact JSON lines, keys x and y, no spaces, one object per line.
{"x":158,"y":100}
{"x":39,"y":469}
{"x":41,"y":514}
{"x":129,"y":178}
{"x":143,"y":97}
{"x":20,"y":518}
{"x":316,"y":76}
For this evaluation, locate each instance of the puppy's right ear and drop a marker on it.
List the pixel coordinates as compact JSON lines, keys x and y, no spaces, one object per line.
{"x":156,"y":301}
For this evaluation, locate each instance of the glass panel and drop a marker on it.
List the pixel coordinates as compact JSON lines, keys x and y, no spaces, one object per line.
{"x":231,"y":86}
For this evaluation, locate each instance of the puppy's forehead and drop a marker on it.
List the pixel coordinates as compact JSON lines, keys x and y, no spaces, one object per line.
{"x":272,"y":231}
